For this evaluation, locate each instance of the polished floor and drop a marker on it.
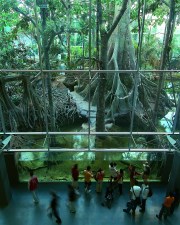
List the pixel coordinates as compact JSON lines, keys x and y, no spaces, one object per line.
{"x":22,"y":211}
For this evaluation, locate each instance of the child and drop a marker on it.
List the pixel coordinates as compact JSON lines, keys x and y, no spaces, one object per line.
{"x":99,"y":179}
{"x":32,"y":186}
{"x":87,"y":179}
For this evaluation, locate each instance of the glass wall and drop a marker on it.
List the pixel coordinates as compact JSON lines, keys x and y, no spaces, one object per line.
{"x":86,"y":82}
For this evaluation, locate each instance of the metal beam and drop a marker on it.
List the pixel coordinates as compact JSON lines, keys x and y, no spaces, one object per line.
{"x":92,"y":150}
{"x":93,"y":71}
{"x":91,"y":133}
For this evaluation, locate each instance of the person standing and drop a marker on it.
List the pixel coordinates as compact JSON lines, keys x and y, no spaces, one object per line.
{"x":120,"y":178}
{"x":146,"y":171}
{"x":87,"y":179}
{"x":144,"y":196}
{"x":113,"y":171}
{"x":99,"y":180}
{"x":75,"y":177}
{"x":32,"y":186}
{"x":133,"y":174}
{"x":166,"y":207}
{"x":53,"y":207}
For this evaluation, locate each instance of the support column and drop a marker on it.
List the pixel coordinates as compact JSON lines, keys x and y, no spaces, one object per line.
{"x":5,"y":190}
{"x":174,"y":178}
{"x":11,"y":166}
{"x":167,"y":167}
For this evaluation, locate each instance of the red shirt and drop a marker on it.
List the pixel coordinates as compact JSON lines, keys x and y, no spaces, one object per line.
{"x":33,"y":183}
{"x":75,"y":173}
{"x":100,"y":175}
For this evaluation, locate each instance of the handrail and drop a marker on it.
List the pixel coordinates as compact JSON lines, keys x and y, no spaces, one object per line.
{"x":92,"y":71}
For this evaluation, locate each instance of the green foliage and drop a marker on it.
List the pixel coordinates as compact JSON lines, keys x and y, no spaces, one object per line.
{"x":76,"y":51}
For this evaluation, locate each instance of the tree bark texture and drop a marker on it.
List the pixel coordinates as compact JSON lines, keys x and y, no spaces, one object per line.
{"x":165,"y":56}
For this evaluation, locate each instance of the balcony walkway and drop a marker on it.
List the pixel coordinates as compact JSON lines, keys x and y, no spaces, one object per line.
{"x":22,"y":211}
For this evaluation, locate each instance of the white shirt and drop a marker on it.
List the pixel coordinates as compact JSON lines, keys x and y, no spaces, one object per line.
{"x":135,"y":190}
{"x":144,"y":191}
{"x":113,"y":171}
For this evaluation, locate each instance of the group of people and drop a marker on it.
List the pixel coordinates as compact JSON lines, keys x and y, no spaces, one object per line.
{"x":138,"y":194}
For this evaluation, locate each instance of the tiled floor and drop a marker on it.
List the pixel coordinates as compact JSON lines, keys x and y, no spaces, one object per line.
{"x":22,"y":211}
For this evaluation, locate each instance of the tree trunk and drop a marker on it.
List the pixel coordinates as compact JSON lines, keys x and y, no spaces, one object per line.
{"x":47,"y":67}
{"x":105,"y":36}
{"x":125,"y":93}
{"x":100,"y":115}
{"x":165,"y":55}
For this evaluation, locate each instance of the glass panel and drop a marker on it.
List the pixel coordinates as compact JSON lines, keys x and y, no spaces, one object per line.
{"x":57,"y":166}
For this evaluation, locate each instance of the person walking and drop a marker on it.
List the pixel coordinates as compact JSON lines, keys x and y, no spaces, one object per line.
{"x":87,"y":179}
{"x":166,"y":207}
{"x":99,"y":180}
{"x":32,"y":186}
{"x":72,"y":198}
{"x":53,"y":208}
{"x":135,"y":199}
{"x":144,"y":196}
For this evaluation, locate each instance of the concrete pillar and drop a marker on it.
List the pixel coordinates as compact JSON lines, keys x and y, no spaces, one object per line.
{"x":174,"y":178}
{"x":11,"y":165}
{"x":5,"y":190}
{"x":167,"y":167}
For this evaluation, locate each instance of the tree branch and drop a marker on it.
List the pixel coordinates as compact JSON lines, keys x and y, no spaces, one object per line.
{"x":24,"y":14}
{"x":119,"y":16}
{"x":64,"y":4}
{"x":165,"y":3}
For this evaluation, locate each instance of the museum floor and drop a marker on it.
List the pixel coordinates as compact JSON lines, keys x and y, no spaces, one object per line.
{"x":22,"y":211}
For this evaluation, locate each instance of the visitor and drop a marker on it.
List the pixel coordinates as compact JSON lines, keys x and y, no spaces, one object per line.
{"x":99,"y":180}
{"x":166,"y":207}
{"x":133,"y":174}
{"x":75,"y":177}
{"x":120,"y":178}
{"x":146,"y":171}
{"x":87,"y":179}
{"x":53,"y":208}
{"x":144,"y":196}
{"x":113,"y":171}
{"x":134,"y":199}
{"x":32,"y":186}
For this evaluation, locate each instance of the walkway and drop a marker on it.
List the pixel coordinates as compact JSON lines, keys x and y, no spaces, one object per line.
{"x":83,"y":107}
{"x":21,"y":210}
